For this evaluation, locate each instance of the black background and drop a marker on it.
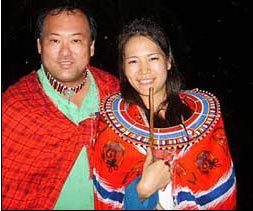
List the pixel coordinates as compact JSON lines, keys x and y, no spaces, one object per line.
{"x":211,"y":42}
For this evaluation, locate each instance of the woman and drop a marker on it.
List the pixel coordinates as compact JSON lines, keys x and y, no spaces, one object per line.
{"x":196,"y":171}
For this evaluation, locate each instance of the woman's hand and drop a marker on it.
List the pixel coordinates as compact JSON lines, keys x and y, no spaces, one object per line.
{"x":155,"y":176}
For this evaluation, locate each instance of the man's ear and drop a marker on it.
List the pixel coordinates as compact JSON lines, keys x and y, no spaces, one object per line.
{"x":92,"y":48}
{"x":38,"y":46}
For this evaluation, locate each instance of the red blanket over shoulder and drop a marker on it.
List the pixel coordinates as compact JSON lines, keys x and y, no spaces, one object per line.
{"x":39,"y":143}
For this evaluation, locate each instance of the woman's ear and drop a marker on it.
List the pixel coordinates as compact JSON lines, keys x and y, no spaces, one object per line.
{"x":169,"y":63}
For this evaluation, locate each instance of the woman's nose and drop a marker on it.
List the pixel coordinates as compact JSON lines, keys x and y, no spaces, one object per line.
{"x":145,"y":68}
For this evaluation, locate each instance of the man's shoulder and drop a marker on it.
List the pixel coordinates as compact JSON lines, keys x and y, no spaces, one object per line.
{"x":23,"y":88}
{"x":101,"y":72}
{"x":103,"y":77}
{"x":106,"y":82}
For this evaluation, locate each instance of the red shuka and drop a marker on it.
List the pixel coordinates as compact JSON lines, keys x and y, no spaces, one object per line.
{"x":40,"y":144}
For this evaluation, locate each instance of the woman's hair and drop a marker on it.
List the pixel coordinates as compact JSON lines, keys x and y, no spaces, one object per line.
{"x":57,"y":6}
{"x":176,"y":109}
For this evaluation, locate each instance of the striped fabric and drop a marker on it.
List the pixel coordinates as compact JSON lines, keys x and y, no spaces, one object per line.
{"x":203,"y":173}
{"x":39,"y":144}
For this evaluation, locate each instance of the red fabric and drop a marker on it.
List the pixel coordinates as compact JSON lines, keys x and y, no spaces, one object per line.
{"x":200,"y":168}
{"x":39,"y":143}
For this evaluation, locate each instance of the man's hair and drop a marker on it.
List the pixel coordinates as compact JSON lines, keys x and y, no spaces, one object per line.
{"x":57,"y":6}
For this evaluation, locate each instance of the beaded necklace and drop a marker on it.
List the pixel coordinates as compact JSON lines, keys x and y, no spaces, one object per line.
{"x":67,"y":91}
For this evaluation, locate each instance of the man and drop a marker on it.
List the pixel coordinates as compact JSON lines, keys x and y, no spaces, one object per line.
{"x":49,"y":117}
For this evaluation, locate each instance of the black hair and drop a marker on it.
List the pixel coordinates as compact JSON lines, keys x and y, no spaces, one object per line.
{"x":176,"y":109}
{"x":55,"y":7}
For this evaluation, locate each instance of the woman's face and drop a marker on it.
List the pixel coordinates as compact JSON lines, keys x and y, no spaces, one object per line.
{"x":146,"y":66}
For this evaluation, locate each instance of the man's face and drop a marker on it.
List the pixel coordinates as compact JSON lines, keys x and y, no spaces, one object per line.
{"x":65,"y":46}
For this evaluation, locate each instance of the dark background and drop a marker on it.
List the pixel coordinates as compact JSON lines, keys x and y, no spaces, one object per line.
{"x":211,"y":42}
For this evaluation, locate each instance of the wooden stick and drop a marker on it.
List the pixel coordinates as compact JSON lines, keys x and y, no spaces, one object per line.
{"x":151,"y":116}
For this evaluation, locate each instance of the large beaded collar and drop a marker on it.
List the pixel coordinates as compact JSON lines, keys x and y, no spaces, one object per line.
{"x":206,"y":112}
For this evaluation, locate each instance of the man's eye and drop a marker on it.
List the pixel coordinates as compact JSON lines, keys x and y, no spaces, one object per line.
{"x":77,"y":41}
{"x":132,"y":62}
{"x":54,"y":41}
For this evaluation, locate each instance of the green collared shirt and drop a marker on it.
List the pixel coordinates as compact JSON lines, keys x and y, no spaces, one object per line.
{"x":77,"y":192}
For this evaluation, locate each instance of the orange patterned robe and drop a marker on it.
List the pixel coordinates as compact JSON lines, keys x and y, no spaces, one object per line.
{"x":203,"y":172}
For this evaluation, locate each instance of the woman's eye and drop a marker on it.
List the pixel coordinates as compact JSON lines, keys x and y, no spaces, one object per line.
{"x":154,"y":58}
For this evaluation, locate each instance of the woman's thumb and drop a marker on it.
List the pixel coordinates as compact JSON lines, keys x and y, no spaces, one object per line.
{"x":149,"y":157}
